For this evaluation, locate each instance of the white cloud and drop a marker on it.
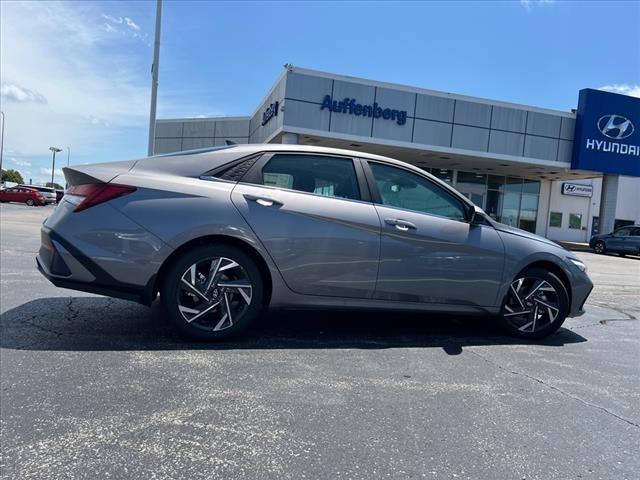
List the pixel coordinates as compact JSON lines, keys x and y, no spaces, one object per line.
{"x":21,"y":163}
{"x":112,"y":19}
{"x":131,"y":24}
{"x":623,"y":88}
{"x":15,"y":93}
{"x":531,"y":4}
{"x":122,"y":25}
{"x":108,"y":28}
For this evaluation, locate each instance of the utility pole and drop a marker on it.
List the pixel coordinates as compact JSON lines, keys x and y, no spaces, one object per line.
{"x":54,"y":150}
{"x":68,"y":155}
{"x":155,"y":67}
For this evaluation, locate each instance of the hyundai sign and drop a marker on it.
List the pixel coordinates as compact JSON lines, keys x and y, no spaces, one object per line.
{"x":607,"y":136}
{"x":577,"y":190}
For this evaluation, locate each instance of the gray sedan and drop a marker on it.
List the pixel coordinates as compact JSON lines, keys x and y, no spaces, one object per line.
{"x":222,"y":234}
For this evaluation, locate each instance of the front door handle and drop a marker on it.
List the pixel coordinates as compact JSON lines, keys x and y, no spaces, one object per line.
{"x":262,"y":200}
{"x":400,"y":224}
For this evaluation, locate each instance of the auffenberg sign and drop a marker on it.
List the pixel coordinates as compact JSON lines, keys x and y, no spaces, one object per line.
{"x":351,"y":106}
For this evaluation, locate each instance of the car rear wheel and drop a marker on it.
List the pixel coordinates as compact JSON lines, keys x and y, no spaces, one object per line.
{"x":536,"y":304}
{"x":599,"y":247}
{"x":213,"y":292}
{"x":30,"y":202}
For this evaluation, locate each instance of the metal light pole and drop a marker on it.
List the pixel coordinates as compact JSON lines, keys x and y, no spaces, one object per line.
{"x":155,"y":67}
{"x":2,"y":141}
{"x":66,"y":184}
{"x":54,"y":150}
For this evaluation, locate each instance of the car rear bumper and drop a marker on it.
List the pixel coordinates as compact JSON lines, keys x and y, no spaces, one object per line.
{"x":67,"y":267}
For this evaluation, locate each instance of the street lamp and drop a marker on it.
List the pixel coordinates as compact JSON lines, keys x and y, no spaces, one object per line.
{"x":54,"y":150}
{"x":66,"y":185}
{"x":2,"y":140}
{"x":155,"y":68}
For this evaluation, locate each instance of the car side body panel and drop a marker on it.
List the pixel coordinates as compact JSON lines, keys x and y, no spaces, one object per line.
{"x":439,"y":260}
{"x":521,"y":252}
{"x":321,"y":245}
{"x":117,"y":245}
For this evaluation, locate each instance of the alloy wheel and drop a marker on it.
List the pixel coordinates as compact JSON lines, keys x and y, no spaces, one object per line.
{"x":214,"y":293}
{"x":599,"y":247}
{"x":532,"y":304}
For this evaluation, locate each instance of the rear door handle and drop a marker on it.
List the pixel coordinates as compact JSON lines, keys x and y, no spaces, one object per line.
{"x":264,"y":201}
{"x":400,"y":224}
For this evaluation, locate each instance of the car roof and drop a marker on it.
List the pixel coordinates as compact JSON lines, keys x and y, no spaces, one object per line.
{"x":35,"y":187}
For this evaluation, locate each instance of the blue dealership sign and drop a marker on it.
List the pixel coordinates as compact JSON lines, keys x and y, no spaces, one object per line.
{"x":607,"y":135}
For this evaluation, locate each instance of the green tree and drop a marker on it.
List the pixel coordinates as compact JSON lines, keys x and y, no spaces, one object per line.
{"x":11,"y":175}
{"x":57,"y":186}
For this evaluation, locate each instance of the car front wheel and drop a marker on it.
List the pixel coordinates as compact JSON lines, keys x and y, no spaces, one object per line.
{"x":30,"y":202}
{"x":536,"y":304}
{"x":599,"y":247}
{"x":213,"y":292}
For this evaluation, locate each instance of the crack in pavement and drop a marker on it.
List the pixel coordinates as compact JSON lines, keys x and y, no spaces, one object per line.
{"x":555,"y":389}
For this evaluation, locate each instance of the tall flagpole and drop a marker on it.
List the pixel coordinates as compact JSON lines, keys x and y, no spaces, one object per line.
{"x":155,"y":67}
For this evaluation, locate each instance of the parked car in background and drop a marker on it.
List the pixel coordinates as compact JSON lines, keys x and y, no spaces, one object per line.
{"x":48,"y":193}
{"x":226,"y":233}
{"x":25,"y":195}
{"x":623,"y":241}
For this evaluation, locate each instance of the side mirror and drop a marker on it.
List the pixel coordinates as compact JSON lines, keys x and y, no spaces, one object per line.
{"x":477,"y":216}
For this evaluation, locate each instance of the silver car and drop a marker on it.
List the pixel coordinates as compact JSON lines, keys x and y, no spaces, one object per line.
{"x":222,"y":234}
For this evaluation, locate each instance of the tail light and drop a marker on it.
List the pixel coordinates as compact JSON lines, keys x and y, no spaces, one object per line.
{"x":93,"y":194}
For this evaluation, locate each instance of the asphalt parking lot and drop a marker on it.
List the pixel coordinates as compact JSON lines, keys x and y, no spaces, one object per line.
{"x":100,"y":388}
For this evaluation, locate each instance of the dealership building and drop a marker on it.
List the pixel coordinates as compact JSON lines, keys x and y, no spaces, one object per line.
{"x":563,"y":175}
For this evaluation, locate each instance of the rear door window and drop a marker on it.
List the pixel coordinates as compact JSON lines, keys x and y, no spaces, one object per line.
{"x":317,"y":174}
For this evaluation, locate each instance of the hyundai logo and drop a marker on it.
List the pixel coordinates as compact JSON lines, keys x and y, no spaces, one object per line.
{"x":615,"y":126}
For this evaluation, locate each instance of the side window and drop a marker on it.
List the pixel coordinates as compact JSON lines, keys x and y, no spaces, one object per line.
{"x":403,"y":189}
{"x":622,"y":232}
{"x":327,"y":176}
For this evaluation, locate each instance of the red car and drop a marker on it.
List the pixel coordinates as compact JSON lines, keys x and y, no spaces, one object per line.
{"x":26,"y":195}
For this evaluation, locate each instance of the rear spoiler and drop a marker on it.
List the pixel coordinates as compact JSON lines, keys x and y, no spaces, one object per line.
{"x":96,"y":173}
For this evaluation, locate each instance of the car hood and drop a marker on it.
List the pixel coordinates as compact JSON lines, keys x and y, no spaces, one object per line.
{"x":599,"y":236}
{"x":501,"y":227}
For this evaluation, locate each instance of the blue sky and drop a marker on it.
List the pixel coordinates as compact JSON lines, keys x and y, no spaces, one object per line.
{"x":78,"y":73}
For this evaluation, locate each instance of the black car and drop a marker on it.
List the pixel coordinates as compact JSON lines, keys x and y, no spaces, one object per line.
{"x":624,"y":241}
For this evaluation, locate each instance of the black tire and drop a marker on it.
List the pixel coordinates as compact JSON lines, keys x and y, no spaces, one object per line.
{"x":556,"y":296}
{"x":622,"y":254}
{"x":203,"y":327}
{"x":30,"y":202}
{"x":600,"y":247}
